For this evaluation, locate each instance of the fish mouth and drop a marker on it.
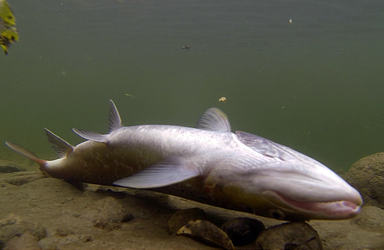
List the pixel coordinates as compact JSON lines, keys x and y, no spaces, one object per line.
{"x":339,"y":209}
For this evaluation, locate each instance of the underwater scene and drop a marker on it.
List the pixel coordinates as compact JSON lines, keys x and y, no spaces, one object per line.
{"x":188,"y":77}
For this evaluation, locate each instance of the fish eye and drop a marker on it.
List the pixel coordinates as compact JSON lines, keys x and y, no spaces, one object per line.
{"x":277,"y":214}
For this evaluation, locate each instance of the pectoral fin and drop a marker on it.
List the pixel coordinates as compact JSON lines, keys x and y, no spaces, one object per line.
{"x":160,"y":175}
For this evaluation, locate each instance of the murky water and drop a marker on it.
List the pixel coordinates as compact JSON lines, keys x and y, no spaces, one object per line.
{"x":314,"y":83}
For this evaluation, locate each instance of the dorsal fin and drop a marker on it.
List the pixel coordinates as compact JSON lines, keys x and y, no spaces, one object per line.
{"x":114,"y":117}
{"x":61,"y":147}
{"x":214,"y":119}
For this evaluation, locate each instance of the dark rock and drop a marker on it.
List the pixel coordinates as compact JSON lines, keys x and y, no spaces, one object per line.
{"x":208,"y":232}
{"x":9,"y":169}
{"x":243,"y":231}
{"x":296,"y":235}
{"x":367,"y":176}
{"x":22,"y":178}
{"x":182,"y":217}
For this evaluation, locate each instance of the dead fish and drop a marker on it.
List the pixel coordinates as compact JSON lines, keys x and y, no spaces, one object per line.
{"x":209,"y":164}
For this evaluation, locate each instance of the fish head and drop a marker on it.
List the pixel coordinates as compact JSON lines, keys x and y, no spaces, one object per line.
{"x":299,"y":190}
{"x":289,"y":185}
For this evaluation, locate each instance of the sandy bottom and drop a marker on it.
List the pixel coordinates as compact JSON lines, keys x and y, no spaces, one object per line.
{"x":37,"y":212}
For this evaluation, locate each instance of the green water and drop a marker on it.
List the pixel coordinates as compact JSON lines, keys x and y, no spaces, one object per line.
{"x":315,"y":84}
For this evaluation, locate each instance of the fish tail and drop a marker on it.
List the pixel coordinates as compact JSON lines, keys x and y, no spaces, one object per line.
{"x":26,"y":153}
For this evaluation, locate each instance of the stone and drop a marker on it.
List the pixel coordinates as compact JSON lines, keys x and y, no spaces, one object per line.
{"x":367,"y":176}
{"x":183,"y":216}
{"x":370,"y":218}
{"x":24,"y":242}
{"x":289,"y":236}
{"x":21,"y":178}
{"x":9,"y":167}
{"x":243,"y":231}
{"x":108,"y":213}
{"x":208,"y":232}
{"x":13,"y":226}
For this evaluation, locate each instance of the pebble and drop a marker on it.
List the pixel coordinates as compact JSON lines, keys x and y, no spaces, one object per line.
{"x":243,"y":231}
{"x":293,"y":235}
{"x":182,"y":217}
{"x":208,"y":232}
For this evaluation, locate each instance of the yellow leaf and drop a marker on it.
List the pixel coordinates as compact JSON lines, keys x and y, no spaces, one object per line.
{"x":8,"y":32}
{"x":6,"y":14}
{"x":223,"y":99}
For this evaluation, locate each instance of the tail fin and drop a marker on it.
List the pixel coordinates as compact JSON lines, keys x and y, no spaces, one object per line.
{"x":26,"y":153}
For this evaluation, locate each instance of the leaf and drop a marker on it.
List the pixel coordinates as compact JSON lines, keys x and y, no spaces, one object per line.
{"x":8,"y":32}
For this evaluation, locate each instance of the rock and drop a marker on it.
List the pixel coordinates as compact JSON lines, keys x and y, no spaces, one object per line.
{"x":208,"y":232}
{"x":108,"y":213}
{"x":57,"y":242}
{"x":9,"y":167}
{"x":289,"y":236}
{"x":182,"y":217}
{"x":24,"y":242}
{"x":21,"y":178}
{"x":243,"y":231}
{"x":13,"y":226}
{"x":367,"y":176}
{"x":357,"y":233}
{"x":371,"y":218}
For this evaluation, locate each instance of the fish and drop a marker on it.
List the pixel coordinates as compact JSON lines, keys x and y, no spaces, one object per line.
{"x":208,"y":163}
